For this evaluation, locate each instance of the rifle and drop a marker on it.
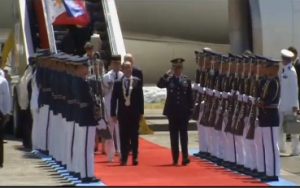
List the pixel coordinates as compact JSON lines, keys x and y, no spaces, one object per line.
{"x":253,"y":113}
{"x":231,"y":111}
{"x":223,"y":103}
{"x":209,"y":96}
{"x":239,"y":124}
{"x":198,"y":96}
{"x":100,"y":112}
{"x":216,"y":97}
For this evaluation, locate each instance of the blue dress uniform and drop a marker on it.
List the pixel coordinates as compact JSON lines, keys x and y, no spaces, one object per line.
{"x":269,"y":121}
{"x":88,"y":120}
{"x":178,"y":109}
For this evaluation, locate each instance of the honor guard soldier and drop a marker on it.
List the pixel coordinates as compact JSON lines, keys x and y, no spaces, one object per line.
{"x":222,"y":118}
{"x":216,"y":64}
{"x":197,"y":112}
{"x":88,"y":121}
{"x":269,"y":120}
{"x":244,"y":116}
{"x":178,"y":107}
{"x":232,"y":110}
{"x":220,"y":109}
{"x":238,"y":123}
{"x":43,"y":101}
{"x":254,"y":133}
{"x":209,"y":102}
{"x":69,"y":109}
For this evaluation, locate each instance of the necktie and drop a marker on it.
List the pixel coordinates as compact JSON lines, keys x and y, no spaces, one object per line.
{"x":283,"y":70}
{"x":116,"y":77}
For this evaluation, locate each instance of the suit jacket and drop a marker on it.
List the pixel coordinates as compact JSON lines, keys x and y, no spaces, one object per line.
{"x":138,"y":73}
{"x":136,"y":107}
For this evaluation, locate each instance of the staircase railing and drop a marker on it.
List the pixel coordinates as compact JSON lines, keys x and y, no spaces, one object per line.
{"x":114,"y":29}
{"x":50,"y":31}
{"x":25,"y":30}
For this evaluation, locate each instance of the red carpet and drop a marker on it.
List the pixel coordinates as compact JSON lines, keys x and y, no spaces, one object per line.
{"x":155,"y":170}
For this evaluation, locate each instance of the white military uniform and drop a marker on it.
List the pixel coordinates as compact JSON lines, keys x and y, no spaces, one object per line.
{"x":288,"y":100}
{"x":110,"y":77}
{"x":5,"y":97}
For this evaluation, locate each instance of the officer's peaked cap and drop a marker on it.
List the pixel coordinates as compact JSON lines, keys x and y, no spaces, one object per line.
{"x":177,"y":61}
{"x":260,"y":58}
{"x":81,"y":60}
{"x":271,"y":62}
{"x":115,"y":58}
{"x":287,"y":53}
{"x":64,"y":57}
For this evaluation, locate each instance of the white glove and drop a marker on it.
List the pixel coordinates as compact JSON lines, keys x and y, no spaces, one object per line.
{"x":245,"y":98}
{"x":196,"y":86}
{"x":101,"y":124}
{"x":252,"y":99}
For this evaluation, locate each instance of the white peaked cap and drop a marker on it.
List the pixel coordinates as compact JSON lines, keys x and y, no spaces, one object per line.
{"x":206,"y":48}
{"x":287,"y":53}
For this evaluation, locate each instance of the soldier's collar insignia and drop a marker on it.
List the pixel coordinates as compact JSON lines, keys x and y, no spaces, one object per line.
{"x":289,"y":67}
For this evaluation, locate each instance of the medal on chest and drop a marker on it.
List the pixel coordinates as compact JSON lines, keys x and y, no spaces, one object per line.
{"x":127,"y":97}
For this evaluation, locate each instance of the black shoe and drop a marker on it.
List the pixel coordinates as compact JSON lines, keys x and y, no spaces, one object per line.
{"x":77,"y":175}
{"x":4,"y":142}
{"x":197,"y":154}
{"x":1,"y":165}
{"x":175,"y":163}
{"x":123,"y":163}
{"x":90,"y":180}
{"x":269,"y":178}
{"x":185,"y":161}
{"x":135,"y":162}
{"x":258,"y":175}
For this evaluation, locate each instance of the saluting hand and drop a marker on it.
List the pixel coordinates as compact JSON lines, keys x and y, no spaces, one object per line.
{"x":170,"y":72}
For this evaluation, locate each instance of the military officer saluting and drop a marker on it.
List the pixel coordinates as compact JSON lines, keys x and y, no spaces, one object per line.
{"x":269,"y":120}
{"x":178,"y":107}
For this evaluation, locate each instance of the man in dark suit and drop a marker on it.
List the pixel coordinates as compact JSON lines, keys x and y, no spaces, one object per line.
{"x":135,"y":72}
{"x":178,"y":108}
{"x":128,"y":98}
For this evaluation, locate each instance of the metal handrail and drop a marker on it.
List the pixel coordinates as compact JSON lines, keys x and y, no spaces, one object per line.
{"x":113,"y":27}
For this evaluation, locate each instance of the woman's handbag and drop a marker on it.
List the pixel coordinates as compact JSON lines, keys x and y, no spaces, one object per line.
{"x":291,"y":124}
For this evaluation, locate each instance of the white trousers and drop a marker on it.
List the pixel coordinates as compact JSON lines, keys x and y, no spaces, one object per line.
{"x":231,"y":147}
{"x":282,"y":137}
{"x":259,"y":147}
{"x":70,"y":130}
{"x":35,"y":130}
{"x":76,"y":149}
{"x":202,"y":138}
{"x":86,"y":147}
{"x":246,"y":146}
{"x":43,"y":122}
{"x":271,"y":148}
{"x":51,"y":134}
